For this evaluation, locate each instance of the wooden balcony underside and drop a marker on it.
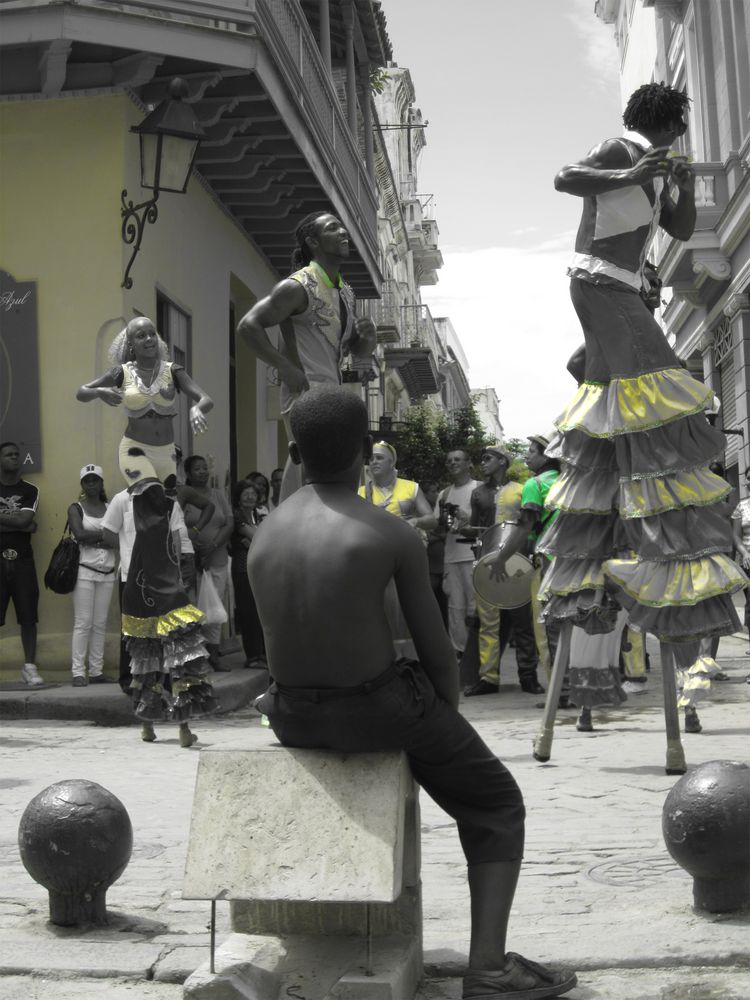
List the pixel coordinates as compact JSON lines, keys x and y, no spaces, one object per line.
{"x":277,"y":145}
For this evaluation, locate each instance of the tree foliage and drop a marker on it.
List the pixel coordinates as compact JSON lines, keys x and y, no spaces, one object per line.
{"x":427,"y":435}
{"x":519,"y":472}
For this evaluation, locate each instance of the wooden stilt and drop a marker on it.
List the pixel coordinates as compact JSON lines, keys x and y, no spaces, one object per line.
{"x":543,"y":742}
{"x":675,"y":753}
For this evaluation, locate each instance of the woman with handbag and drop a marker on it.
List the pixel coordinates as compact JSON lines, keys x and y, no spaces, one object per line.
{"x":96,"y":579}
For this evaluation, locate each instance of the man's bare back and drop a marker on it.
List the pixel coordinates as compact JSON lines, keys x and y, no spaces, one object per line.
{"x":319,"y":566}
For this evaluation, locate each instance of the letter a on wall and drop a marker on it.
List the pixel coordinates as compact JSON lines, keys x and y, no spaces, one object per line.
{"x":19,"y":370}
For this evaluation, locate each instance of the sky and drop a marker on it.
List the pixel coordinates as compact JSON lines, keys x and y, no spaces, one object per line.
{"x":512,"y":90}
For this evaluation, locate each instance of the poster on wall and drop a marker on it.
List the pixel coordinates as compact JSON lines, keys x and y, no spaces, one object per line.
{"x":19,"y":370}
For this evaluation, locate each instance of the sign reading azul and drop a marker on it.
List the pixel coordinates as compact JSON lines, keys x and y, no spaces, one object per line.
{"x":19,"y":370}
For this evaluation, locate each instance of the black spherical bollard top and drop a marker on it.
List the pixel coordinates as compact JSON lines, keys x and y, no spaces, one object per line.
{"x":706,"y":827}
{"x":75,"y":839}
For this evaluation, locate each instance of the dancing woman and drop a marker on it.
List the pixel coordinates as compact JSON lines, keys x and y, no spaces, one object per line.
{"x":168,"y":658}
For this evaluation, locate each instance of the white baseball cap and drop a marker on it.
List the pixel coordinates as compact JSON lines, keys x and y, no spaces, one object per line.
{"x":92,"y":470}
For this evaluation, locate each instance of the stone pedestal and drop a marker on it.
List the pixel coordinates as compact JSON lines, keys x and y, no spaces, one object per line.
{"x":318,"y":853}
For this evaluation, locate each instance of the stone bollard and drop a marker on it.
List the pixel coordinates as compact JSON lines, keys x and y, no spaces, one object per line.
{"x":706,"y":827}
{"x":75,"y":839}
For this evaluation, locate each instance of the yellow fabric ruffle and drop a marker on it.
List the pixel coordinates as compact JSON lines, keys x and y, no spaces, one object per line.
{"x":575,"y":491}
{"x":644,"y":497}
{"x":671,"y":584}
{"x":569,"y":576}
{"x":695,"y":683}
{"x":630,"y":405}
{"x":161,"y":626}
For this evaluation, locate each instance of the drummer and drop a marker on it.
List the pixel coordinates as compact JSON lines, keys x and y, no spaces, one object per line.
{"x":533,"y":521}
{"x":497,"y":501}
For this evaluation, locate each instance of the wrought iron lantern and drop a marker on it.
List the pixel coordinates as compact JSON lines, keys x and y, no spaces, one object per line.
{"x":169,"y":137}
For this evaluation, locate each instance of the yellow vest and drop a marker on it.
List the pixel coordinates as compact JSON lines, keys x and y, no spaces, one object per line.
{"x":402,"y":501}
{"x":508,"y":503}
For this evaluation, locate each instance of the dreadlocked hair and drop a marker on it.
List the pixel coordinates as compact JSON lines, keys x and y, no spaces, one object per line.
{"x":654,"y":106}
{"x":302,"y":255}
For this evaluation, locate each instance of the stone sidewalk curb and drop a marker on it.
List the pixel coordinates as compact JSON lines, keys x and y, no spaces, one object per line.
{"x":106,"y":705}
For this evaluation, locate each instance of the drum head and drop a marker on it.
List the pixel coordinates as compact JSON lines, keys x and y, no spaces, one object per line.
{"x":514,"y":591}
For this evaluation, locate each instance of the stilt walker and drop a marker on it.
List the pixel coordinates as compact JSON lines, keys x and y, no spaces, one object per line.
{"x":640,"y":522}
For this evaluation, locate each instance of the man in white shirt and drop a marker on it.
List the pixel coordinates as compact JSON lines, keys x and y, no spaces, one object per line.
{"x":119,"y":531}
{"x":453,"y":512}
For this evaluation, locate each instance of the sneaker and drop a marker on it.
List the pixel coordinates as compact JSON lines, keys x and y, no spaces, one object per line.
{"x":79,"y":682}
{"x":635,"y":687}
{"x":30,"y":675}
{"x":100,"y":679}
{"x":519,"y":979}
{"x":531,"y":685}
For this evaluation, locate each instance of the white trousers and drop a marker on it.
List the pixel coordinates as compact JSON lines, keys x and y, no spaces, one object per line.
{"x":90,"y":609}
{"x":459,"y":589}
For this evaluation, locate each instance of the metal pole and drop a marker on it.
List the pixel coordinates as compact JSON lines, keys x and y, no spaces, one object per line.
{"x":543,"y":742}
{"x":368,"y":929}
{"x":675,"y":753}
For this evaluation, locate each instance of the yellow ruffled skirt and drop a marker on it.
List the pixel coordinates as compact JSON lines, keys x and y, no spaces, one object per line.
{"x":642,"y":522}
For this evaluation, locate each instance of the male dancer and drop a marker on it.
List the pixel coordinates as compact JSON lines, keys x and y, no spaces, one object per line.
{"x":314,"y":309}
{"x":319,"y":566}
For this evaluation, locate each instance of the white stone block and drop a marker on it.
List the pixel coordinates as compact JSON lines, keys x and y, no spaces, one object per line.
{"x":308,"y":825}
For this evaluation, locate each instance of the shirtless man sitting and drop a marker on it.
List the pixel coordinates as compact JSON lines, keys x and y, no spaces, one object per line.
{"x":319,"y":566}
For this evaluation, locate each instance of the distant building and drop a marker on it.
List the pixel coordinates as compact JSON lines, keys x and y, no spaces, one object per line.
{"x":453,"y":367}
{"x":703,"y":46}
{"x":487,"y":404}
{"x":414,"y":356}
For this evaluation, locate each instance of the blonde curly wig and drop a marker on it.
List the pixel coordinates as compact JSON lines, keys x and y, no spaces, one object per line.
{"x":121,"y":350}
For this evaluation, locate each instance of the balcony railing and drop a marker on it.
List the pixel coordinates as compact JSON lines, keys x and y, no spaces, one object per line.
{"x":385,"y":313}
{"x":284,"y":31}
{"x":419,"y":330}
{"x":316,"y":92}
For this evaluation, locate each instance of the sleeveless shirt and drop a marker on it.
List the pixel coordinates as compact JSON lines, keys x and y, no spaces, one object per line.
{"x":323,"y":330}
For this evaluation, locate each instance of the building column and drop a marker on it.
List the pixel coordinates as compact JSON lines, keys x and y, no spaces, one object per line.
{"x":366,"y":105}
{"x":351,"y":72}
{"x":325,"y":35}
{"x":737,"y":311}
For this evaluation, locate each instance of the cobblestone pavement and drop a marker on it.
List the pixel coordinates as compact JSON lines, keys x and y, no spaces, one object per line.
{"x":598,"y":890}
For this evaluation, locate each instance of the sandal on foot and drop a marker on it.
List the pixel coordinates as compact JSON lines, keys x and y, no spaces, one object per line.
{"x":584,"y":723}
{"x":692,"y":722}
{"x":519,"y":979}
{"x":187,"y":739}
